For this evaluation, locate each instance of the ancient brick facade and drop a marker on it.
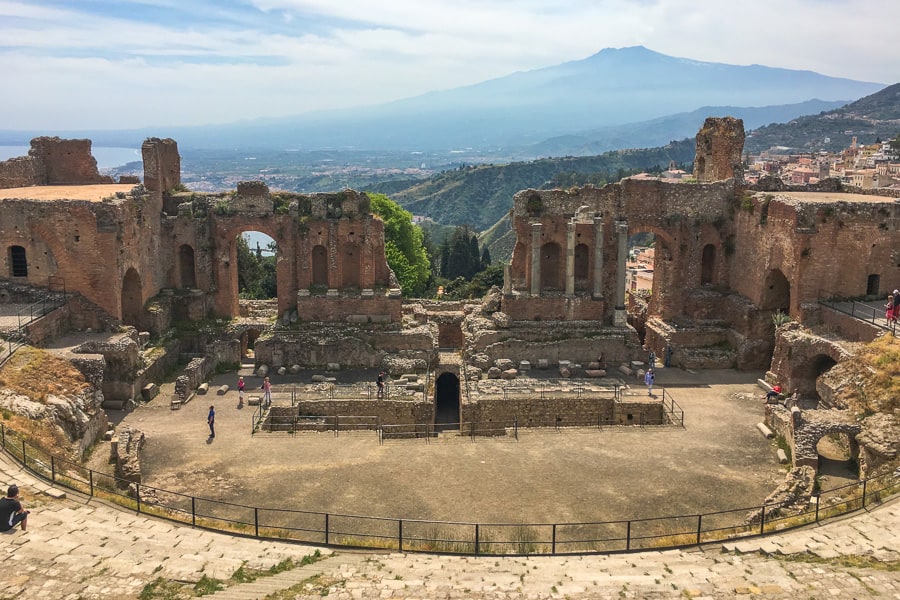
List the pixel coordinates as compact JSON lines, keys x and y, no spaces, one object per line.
{"x":52,"y":161}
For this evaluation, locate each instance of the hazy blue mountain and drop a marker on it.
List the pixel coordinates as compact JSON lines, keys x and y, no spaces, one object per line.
{"x":656,"y":132}
{"x":612,"y":87}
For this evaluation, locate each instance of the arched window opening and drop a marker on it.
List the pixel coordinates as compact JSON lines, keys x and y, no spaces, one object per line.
{"x":350,"y":263}
{"x":18,"y":262}
{"x":551,"y":275}
{"x":582,"y":266}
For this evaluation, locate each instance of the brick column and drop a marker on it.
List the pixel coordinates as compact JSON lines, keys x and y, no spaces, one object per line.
{"x":620,"y":318}
{"x":536,"y":259}
{"x":598,"y":257}
{"x":507,"y":279}
{"x":570,"y":258}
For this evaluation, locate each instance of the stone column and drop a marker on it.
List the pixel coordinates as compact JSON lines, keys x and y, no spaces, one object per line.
{"x":536,"y":259}
{"x":598,"y":257}
{"x":620,"y":318}
{"x":570,"y":258}
{"x":507,"y":279}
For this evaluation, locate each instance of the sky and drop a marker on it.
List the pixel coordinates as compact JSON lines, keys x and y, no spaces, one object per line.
{"x":111,"y":64}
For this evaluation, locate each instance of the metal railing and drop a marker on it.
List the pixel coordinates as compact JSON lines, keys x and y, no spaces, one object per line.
{"x":673,"y":413}
{"x":416,"y":535}
{"x":863,"y":311}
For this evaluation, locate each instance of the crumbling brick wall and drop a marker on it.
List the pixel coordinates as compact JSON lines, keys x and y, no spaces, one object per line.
{"x":52,"y":161}
{"x":720,"y":143}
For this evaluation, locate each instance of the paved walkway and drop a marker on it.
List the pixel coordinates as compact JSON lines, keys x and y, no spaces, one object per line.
{"x":76,"y":548}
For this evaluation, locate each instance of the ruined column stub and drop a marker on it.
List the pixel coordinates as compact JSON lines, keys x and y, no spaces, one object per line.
{"x":570,"y":258}
{"x":720,"y":144}
{"x":507,"y":279}
{"x":536,"y":259}
{"x":598,"y":257}
{"x":620,"y":318}
{"x":162,"y":164}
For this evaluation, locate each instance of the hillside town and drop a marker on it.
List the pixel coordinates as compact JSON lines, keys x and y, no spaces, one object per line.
{"x":865,"y":166}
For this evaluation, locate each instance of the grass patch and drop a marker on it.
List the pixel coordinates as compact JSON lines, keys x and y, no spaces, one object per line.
{"x":852,"y":561}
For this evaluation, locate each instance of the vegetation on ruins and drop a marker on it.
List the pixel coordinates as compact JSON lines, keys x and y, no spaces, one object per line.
{"x":403,"y":245}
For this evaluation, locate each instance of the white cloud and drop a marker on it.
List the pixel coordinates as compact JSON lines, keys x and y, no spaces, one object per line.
{"x":223,"y":61}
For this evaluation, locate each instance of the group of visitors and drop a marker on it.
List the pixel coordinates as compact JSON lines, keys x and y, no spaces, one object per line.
{"x":892,"y":308}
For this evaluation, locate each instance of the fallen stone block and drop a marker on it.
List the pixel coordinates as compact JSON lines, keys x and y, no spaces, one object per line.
{"x":626,"y":370}
{"x":253,"y":400}
{"x":333,"y":367}
{"x":55,"y":493}
{"x":410,"y":377}
{"x":509,"y":374}
{"x":223,"y":389}
{"x":565,"y":372}
{"x":593,"y":366}
{"x":565,"y":364}
{"x":149,"y":392}
{"x":262,"y":371}
{"x":767,"y":433}
{"x":415,"y":387}
{"x":295,"y":369}
{"x":202,"y":388}
{"x":524,"y":365}
{"x":543,"y":363}
{"x":282,"y":370}
{"x":493,"y":373}
{"x":109,"y":435}
{"x":317,"y":378}
{"x":595,"y":372}
{"x":380,"y":319}
{"x":782,"y":456}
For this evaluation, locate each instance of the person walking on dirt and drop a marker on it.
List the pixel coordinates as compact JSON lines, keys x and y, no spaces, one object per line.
{"x":379,"y":383}
{"x":240,"y":392}
{"x":211,"y":421}
{"x":267,"y":392}
{"x":648,"y":381}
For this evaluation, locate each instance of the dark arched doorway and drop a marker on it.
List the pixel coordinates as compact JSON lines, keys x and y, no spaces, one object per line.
{"x":187,"y":275}
{"x":776,"y":292}
{"x":446,"y":402}
{"x":132,"y":300}
{"x":350,"y":265}
{"x":582,"y":266}
{"x":18,"y":262}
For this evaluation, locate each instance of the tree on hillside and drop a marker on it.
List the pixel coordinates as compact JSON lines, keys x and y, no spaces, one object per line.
{"x":463,"y":255}
{"x":485,"y":258}
{"x":403,"y":245}
{"x":256,"y":272}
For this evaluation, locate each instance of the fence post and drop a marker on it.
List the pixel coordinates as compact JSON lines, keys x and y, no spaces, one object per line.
{"x":53,"y":474}
{"x":628,"y":537}
{"x":24,"y":457}
{"x":193,"y":511}
{"x":476,"y":538}
{"x":326,"y":529}
{"x":553,"y":544}
{"x":137,"y":496}
{"x":3,"y":431}
{"x":256,"y":520}
{"x":699,"y":525}
{"x":762,"y":521}
{"x":818,"y":500}
{"x":91,"y":477}
{"x":864,"y":493}
{"x":337,"y":425}
{"x":400,"y":535}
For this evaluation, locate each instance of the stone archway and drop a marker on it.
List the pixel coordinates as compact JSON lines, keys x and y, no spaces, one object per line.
{"x":807,"y":372}
{"x":132,"y":298}
{"x":446,"y":402}
{"x":320,"y":265}
{"x":776,"y":292}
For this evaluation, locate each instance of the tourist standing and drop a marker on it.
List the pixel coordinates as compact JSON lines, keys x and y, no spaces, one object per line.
{"x":211,"y":421}
{"x":651,"y":360}
{"x":648,"y":381}
{"x":890,"y":310}
{"x":240,"y":392}
{"x":11,"y":511}
{"x":379,"y":383}
{"x":267,"y":392}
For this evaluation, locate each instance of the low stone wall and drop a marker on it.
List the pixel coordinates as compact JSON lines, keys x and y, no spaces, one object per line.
{"x":126,"y":454}
{"x":388,"y":412}
{"x":553,"y":308}
{"x":359,"y":310}
{"x":849,"y":328}
{"x":564,"y":412}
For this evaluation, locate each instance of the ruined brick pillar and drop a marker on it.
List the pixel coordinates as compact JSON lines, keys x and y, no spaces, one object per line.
{"x":620,"y":318}
{"x":720,"y":144}
{"x":162,"y":164}
{"x":507,"y":279}
{"x":570,"y":258}
{"x":536,"y":259}
{"x":598,"y":257}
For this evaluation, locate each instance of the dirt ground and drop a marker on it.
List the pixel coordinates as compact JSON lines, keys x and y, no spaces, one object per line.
{"x":717,"y":461}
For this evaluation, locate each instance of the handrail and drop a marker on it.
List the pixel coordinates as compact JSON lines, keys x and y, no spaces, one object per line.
{"x":451,"y":537}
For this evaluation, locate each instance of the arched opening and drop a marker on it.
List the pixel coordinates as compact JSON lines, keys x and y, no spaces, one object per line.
{"x":708,"y":265}
{"x":248,"y":339}
{"x":805,"y":376}
{"x":256,"y":260}
{"x":838,"y":460}
{"x":320,"y":266}
{"x":582,"y":266}
{"x":640,"y":262}
{"x":776,"y":292}
{"x":873,"y":285}
{"x":350,"y":266}
{"x":551,"y":277}
{"x":18,"y":262}
{"x":132,"y":299}
{"x":446,"y":402}
{"x":450,"y":335}
{"x":186,"y":268}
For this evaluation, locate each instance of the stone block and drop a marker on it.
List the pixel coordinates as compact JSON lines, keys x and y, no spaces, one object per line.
{"x":381,"y":319}
{"x":55,"y":494}
{"x":636,"y":364}
{"x":317,"y":378}
{"x":509,"y":374}
{"x":282,"y":370}
{"x":262,"y":371}
{"x":202,"y":388}
{"x":524,"y":365}
{"x":504,"y":364}
{"x":368,"y":293}
{"x":109,"y":435}
{"x":595,"y":372}
{"x":593,"y":366}
{"x":149,"y":392}
{"x":493,"y":373}
{"x":565,"y":372}
{"x":564,"y":364}
{"x":416,"y":387}
{"x":358,"y":319}
{"x":295,"y":369}
{"x":543,"y":363}
{"x":223,"y":389}
{"x":253,"y":400}
{"x":410,"y":377}
{"x":333,"y":367}
{"x":782,"y":457}
{"x":626,"y":370}
{"x":332,"y":293}
{"x":767,"y":433}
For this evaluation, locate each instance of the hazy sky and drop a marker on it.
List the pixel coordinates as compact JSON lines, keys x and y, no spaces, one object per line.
{"x":76,"y":64}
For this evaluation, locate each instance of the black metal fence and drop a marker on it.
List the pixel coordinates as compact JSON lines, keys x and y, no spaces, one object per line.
{"x":864,"y":311}
{"x":413,"y":535}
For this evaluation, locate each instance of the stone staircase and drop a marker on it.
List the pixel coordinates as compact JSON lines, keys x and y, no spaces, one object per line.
{"x":272,"y":584}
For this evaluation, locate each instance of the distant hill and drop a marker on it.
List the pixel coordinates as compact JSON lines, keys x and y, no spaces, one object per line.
{"x":657,"y":132}
{"x":480,"y":195}
{"x":612,"y":87}
{"x":876,"y":115}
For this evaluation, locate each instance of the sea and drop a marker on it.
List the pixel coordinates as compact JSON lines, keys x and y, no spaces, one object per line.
{"x":107,"y":157}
